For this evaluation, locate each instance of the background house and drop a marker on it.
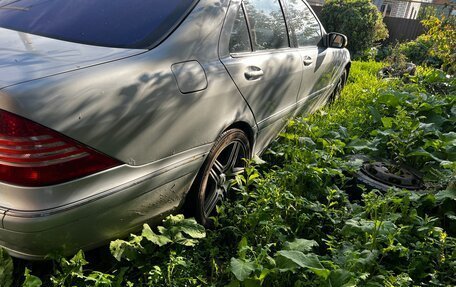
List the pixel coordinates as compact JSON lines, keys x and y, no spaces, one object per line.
{"x":401,"y":9}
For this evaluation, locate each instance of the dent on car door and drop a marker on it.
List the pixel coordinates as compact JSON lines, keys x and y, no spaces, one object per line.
{"x":260,"y":61}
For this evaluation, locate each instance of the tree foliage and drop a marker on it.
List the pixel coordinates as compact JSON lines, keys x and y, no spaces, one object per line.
{"x":436,"y":47}
{"x":442,"y":35}
{"x":358,"y":19}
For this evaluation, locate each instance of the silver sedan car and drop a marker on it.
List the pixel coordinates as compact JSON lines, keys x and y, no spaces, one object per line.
{"x":115,"y":112}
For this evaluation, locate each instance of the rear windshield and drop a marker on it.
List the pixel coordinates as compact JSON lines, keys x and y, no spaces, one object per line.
{"x":110,"y":23}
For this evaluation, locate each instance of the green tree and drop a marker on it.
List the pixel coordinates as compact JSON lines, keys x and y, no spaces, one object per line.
{"x":426,"y":12}
{"x":442,"y":35}
{"x":436,"y":47}
{"x":358,"y":19}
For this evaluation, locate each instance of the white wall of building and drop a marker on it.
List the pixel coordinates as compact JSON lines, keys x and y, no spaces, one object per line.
{"x":400,"y":9}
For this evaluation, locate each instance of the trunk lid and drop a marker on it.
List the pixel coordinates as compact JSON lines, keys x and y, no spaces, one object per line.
{"x":25,"y":57}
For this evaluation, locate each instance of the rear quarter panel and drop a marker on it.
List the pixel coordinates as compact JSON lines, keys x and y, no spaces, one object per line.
{"x":132,"y":109}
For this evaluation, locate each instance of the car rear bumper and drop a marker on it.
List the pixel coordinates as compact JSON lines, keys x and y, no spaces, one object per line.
{"x":94,"y":221}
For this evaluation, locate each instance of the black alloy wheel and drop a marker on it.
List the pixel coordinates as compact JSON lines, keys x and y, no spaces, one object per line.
{"x":224,"y":162}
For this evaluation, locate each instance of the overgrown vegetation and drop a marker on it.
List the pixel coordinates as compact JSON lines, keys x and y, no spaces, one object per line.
{"x":435,"y":48}
{"x":300,"y":218}
{"x":359,"y":20}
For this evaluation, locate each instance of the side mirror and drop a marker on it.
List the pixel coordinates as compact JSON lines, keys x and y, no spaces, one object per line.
{"x":335,"y":40}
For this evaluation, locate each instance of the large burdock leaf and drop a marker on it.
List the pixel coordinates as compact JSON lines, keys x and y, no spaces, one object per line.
{"x":309,"y":261}
{"x":448,"y":194}
{"x":159,"y":240}
{"x":192,"y":228}
{"x":361,"y":144}
{"x":341,"y":278}
{"x":302,"y":245}
{"x":178,"y":229}
{"x":241,"y":268}
{"x":126,"y":249}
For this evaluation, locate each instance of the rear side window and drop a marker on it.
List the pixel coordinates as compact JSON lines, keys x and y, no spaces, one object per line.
{"x":240,"y":40}
{"x":267,"y":24}
{"x":111,"y":23}
{"x":306,"y":27}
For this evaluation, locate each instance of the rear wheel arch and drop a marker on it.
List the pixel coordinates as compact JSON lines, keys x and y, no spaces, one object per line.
{"x":246,"y":128}
{"x":218,"y":166}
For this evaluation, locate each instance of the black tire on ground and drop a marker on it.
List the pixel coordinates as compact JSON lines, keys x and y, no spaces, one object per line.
{"x":224,"y":162}
{"x":383,"y":176}
{"x":338,"y":88}
{"x":372,"y":183}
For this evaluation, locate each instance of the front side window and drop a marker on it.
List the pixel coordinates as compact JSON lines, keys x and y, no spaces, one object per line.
{"x":110,"y":23}
{"x":306,"y":27}
{"x":267,"y":24}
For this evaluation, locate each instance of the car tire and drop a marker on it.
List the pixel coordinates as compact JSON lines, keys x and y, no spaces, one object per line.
{"x":338,"y":89}
{"x":223,"y":163}
{"x":384,"y":175}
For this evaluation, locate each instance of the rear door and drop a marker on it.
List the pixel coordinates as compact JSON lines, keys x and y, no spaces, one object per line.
{"x":266,"y":70}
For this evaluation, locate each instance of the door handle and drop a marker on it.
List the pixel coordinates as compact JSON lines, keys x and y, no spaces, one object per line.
{"x":307,"y":61}
{"x":253,"y":73}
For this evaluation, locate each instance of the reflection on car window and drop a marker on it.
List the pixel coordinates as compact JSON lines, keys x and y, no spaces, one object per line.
{"x":111,"y":23}
{"x":306,"y":26}
{"x":337,"y":41}
{"x":267,"y":24}
{"x":240,"y":40}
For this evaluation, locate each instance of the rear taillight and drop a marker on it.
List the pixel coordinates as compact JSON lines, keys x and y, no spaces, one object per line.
{"x":33,"y":155}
